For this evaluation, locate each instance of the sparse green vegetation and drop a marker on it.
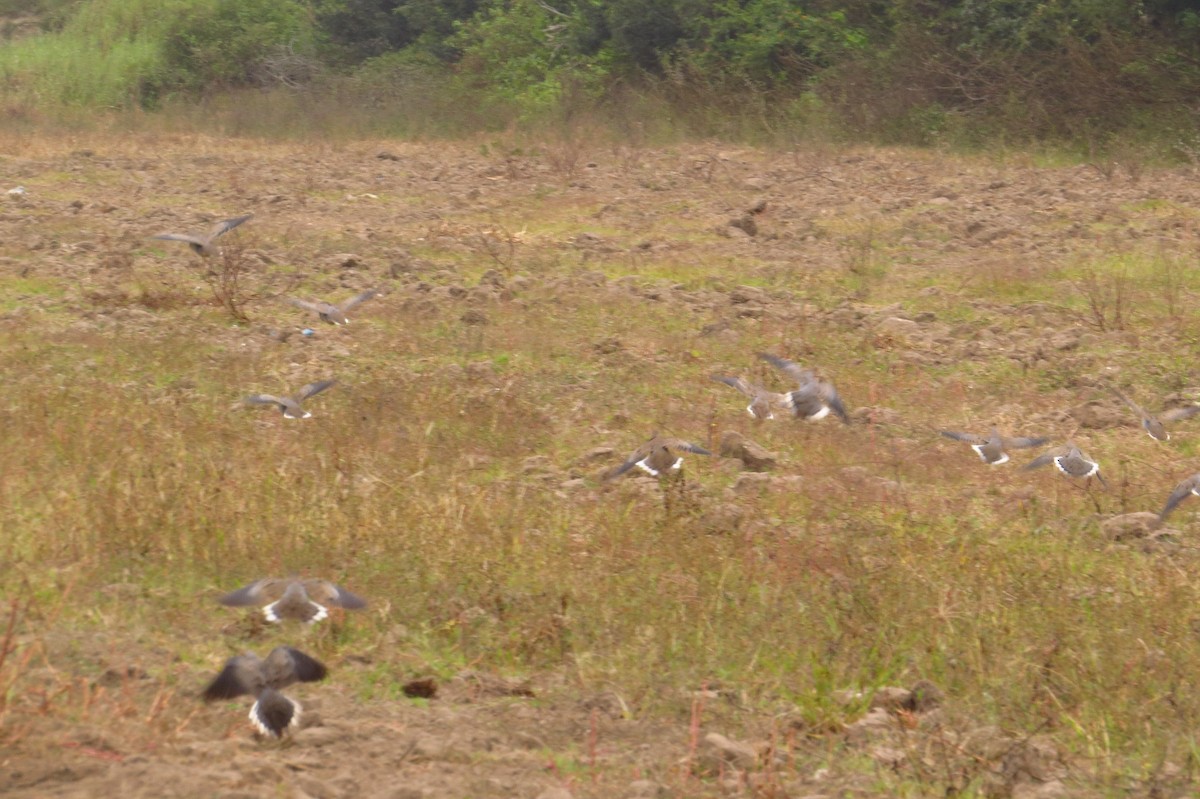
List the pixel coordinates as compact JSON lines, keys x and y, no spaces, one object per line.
{"x":447,"y":477}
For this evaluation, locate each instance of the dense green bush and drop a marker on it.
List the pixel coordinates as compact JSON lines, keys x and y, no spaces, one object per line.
{"x":132,"y":52}
{"x":915,"y":71}
{"x":218,"y":43}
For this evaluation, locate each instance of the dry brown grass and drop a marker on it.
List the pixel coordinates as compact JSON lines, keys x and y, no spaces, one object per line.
{"x":445,"y":476}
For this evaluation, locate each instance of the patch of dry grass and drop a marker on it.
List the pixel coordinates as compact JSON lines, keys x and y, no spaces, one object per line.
{"x":445,"y":477}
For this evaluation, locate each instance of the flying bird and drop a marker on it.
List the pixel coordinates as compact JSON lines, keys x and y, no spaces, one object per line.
{"x":1189,"y":487}
{"x":1069,"y":460}
{"x":762,"y":402}
{"x":815,"y":398}
{"x":306,"y":600}
{"x":1153,"y":425}
{"x":291,"y":405}
{"x":991,"y":448}
{"x":202,"y":244}
{"x":334,"y":314}
{"x":657,"y":457}
{"x":272,"y":714}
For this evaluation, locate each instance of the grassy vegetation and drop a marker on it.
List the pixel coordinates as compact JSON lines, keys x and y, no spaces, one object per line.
{"x":434,"y":480}
{"x":1110,"y":80}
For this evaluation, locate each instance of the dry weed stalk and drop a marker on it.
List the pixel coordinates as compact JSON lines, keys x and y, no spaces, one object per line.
{"x":566,"y":154}
{"x":230,"y":275}
{"x":1108,"y":300}
{"x":500,"y":244}
{"x":7,"y":647}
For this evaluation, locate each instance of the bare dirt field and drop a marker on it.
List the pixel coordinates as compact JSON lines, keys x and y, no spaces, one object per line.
{"x":826,"y":611}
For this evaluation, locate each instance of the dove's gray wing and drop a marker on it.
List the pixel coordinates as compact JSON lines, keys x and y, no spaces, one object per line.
{"x":791,"y":369}
{"x":742,"y":385}
{"x":1047,"y":458}
{"x":313,"y":388}
{"x":256,"y":593}
{"x":326,"y":592}
{"x":834,"y":401}
{"x":686,"y":446}
{"x":349,"y":304}
{"x":226,"y":225}
{"x":1022,"y":442}
{"x":1177,"y":414}
{"x":970,"y":438}
{"x":1124,"y":398}
{"x":285,"y":665}
{"x":196,"y":240}
{"x":265,"y":399}
{"x":315,"y":307}
{"x":242,"y":675}
{"x":1181,"y":492}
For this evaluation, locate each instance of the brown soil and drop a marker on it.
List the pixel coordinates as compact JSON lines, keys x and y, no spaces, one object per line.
{"x":349,"y":215}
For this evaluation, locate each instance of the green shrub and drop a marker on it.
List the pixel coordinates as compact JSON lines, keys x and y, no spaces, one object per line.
{"x":524,"y":55}
{"x":220,"y":42}
{"x":131,"y":52}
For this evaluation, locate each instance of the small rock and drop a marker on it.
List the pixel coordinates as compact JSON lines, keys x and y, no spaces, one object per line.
{"x":346,"y":260}
{"x":752,"y":455}
{"x":645,"y":789}
{"x":1099,"y":415}
{"x":720,"y":519}
{"x":925,"y":696}
{"x":1054,"y":789}
{"x":873,"y":414}
{"x":119,"y":676}
{"x":319,"y":736}
{"x":596,"y":454}
{"x":905,"y":330}
{"x":536,"y":463}
{"x":1065,"y":340}
{"x":424,"y":688}
{"x":474,"y":317}
{"x":721,"y":751}
{"x":870,"y":726}
{"x":609,"y":703}
{"x":745,"y":223}
{"x":891,"y":698}
{"x":608,"y":346}
{"x":492,"y":278}
{"x":407,"y":792}
{"x":749,"y":482}
{"x":1130,"y":525}
{"x":888,"y":756}
{"x":555,"y":792}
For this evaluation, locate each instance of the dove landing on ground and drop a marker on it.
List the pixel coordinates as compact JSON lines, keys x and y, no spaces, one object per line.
{"x":991,"y":448}
{"x":291,"y":405}
{"x":657,"y":457}
{"x":815,"y":398}
{"x":272,"y":714}
{"x":204,"y":244}
{"x":1069,"y":460}
{"x":1188,"y":488}
{"x":1154,"y":425}
{"x":306,"y":600}
{"x":334,"y":314}
{"x":762,"y":402}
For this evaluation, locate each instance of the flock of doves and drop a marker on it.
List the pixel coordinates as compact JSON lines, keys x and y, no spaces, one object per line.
{"x":304,"y":600}
{"x":816,"y":399}
{"x":307,"y":600}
